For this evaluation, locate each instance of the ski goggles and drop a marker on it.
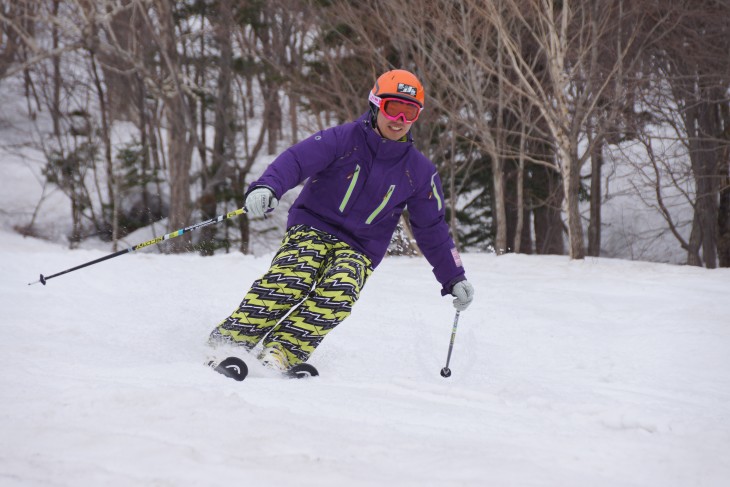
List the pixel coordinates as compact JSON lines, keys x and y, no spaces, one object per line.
{"x":395,"y":108}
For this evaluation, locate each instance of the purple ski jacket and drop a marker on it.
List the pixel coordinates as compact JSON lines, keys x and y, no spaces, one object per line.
{"x":359,"y":184}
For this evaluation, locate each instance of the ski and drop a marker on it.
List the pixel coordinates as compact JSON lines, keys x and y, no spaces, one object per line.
{"x":236,"y":369}
{"x":302,"y":371}
{"x":232,"y":367}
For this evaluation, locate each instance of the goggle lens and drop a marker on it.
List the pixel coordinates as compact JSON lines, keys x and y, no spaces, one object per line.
{"x":395,"y":108}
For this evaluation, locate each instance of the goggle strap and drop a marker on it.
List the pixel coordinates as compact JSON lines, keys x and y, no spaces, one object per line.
{"x":375,"y":99}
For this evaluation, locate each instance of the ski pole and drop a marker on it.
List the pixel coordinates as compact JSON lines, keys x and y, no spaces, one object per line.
{"x":446,"y":371}
{"x":142,"y":245}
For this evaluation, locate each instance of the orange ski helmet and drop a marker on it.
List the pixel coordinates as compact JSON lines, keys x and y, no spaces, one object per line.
{"x":398,"y":83}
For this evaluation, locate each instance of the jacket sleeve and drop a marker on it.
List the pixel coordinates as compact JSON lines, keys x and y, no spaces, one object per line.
{"x":300,"y":161}
{"x":428,"y":219}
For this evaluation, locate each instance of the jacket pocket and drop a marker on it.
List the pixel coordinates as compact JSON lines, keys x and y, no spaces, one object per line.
{"x":350,"y":188}
{"x":436,"y":192}
{"x":381,"y":206}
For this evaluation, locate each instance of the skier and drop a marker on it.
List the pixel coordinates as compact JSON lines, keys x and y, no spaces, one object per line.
{"x":361,"y":176}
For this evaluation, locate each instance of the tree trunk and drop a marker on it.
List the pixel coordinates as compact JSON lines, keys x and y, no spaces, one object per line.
{"x":453,"y":220}
{"x":723,"y":220}
{"x":703,"y":129}
{"x":498,"y":177}
{"x":180,"y":148}
{"x":594,"y":227}
{"x":500,"y":210}
{"x":710,"y":126}
{"x":695,"y":240}
{"x":723,"y":223}
{"x":272,"y":118}
{"x":56,"y":100}
{"x":222,"y":124}
{"x":571,"y":188}
{"x":723,"y":210}
{"x":112,"y":186}
{"x":522,"y":214}
{"x":548,"y":191}
{"x":294,"y":117}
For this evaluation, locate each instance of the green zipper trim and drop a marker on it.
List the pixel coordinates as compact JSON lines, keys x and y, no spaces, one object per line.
{"x":350,"y":188}
{"x":436,"y":192}
{"x":382,"y":205}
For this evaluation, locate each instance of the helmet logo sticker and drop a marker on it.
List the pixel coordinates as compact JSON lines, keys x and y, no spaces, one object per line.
{"x":407,"y":89}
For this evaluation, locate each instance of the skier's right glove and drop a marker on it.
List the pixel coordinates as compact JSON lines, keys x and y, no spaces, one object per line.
{"x":260,"y":201}
{"x":463,"y":293}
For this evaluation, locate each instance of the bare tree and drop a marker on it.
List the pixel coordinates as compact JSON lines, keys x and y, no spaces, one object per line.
{"x":492,"y":57}
{"x":695,"y":63}
{"x":224,"y":136}
{"x":522,"y":95}
{"x":567,"y":36}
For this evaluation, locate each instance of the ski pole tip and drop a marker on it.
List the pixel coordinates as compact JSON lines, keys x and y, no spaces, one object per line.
{"x":42,"y":280}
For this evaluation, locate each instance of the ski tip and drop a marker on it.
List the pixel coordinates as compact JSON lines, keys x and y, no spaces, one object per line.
{"x":232,"y":367}
{"x":302,"y":371}
{"x":236,"y":369}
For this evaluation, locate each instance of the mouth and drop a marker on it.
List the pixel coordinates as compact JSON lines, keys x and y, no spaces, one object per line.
{"x":396,"y":128}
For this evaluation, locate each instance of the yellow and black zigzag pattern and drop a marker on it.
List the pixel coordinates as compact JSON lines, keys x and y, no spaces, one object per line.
{"x":312,"y":269}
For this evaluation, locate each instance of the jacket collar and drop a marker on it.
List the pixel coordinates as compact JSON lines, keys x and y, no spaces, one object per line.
{"x":380,"y":146}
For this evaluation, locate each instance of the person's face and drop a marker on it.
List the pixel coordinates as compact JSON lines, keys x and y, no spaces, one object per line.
{"x":392,"y":129}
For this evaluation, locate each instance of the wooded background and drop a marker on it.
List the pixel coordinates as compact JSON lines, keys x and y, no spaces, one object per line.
{"x":531,"y":107}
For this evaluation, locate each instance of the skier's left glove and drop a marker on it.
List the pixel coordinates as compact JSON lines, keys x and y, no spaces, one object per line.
{"x":260,"y":201}
{"x":463,"y":293}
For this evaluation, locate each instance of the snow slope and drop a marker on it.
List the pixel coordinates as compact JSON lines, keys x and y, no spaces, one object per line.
{"x":565,"y":373}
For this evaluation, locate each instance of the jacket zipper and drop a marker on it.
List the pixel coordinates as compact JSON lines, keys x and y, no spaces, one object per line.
{"x":353,"y":182}
{"x":382,"y":205}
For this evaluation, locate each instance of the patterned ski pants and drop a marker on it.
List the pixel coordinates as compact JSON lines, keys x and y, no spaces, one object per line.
{"x":314,"y":277}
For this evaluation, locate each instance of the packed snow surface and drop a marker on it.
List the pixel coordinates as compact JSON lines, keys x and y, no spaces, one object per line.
{"x":565,"y":373}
